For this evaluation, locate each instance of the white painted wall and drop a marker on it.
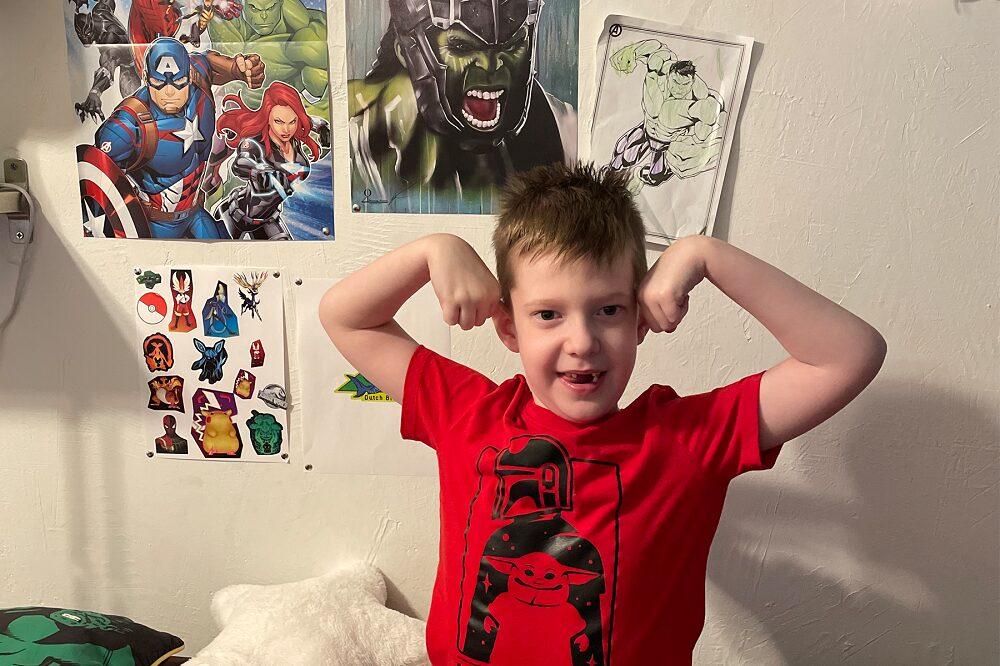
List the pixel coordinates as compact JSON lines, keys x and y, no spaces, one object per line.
{"x":865,"y":165}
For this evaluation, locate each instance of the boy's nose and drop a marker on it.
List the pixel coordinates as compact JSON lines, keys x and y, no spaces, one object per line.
{"x":581,"y":341}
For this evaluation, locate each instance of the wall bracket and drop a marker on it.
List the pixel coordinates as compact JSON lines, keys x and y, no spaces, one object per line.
{"x":14,"y":206}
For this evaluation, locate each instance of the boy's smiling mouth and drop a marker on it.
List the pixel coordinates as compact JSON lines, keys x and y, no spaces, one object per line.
{"x":582,"y":382}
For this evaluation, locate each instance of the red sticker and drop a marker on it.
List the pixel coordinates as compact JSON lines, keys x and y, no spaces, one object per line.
{"x":151,"y":308}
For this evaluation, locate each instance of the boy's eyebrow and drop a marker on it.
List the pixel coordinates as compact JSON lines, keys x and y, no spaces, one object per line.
{"x":540,"y":303}
{"x":555,"y":301}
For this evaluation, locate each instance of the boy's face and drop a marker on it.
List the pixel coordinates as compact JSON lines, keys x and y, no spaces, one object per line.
{"x":576,"y":327}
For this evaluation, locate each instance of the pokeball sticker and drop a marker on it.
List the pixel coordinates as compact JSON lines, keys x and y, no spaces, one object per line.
{"x":152,"y":308}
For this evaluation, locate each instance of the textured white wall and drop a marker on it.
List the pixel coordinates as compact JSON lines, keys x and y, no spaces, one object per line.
{"x":865,"y":165}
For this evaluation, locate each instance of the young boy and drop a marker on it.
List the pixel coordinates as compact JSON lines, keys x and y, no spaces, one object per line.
{"x":574,"y":532}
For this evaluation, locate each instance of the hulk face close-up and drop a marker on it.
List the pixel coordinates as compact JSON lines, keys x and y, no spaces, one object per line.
{"x":470,"y":63}
{"x":452,"y":101}
{"x":486,"y":85}
{"x":262,"y":15}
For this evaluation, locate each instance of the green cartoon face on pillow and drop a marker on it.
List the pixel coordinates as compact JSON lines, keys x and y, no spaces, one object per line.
{"x":39,"y":636}
{"x":75,"y":618}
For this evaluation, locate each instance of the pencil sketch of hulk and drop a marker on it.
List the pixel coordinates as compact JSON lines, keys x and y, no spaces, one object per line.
{"x":683,"y":127}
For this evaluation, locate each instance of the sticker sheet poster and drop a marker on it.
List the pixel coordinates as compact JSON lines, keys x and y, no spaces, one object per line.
{"x":211,"y":345}
{"x":667,"y":104}
{"x":201,"y":119}
{"x":349,"y":425}
{"x":446,"y":98}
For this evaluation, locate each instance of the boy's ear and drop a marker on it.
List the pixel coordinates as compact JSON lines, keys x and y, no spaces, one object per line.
{"x":503,"y":322}
{"x":643,"y":330}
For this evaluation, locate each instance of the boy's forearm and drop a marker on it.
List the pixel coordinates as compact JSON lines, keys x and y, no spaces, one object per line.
{"x":811,"y":328}
{"x":371,"y":296}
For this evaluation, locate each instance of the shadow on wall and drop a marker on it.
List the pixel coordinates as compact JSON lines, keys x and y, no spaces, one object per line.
{"x":62,"y":341}
{"x":396,"y":600}
{"x":919,"y":529}
{"x":63,"y":363}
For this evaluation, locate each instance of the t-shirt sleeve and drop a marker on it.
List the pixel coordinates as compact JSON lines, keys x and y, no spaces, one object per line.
{"x":721,"y":428}
{"x":436,"y":392}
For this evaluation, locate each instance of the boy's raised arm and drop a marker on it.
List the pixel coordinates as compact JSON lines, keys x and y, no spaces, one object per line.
{"x":833,"y":355}
{"x":357,"y":312}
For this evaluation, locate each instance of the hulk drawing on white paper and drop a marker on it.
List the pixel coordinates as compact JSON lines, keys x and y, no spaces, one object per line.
{"x":683,"y":125}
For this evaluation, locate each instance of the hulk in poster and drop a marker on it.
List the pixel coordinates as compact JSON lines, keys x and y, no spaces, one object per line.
{"x":447,"y":98}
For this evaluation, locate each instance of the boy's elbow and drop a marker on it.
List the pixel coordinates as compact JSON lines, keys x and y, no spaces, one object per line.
{"x":325,"y":309}
{"x":328,"y":315}
{"x":871,"y":355}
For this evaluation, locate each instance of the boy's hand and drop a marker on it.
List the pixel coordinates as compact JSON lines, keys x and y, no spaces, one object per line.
{"x":465,"y":287}
{"x":663,"y":294}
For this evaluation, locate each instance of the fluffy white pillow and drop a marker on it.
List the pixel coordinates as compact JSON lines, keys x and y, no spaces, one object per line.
{"x":332,"y":620}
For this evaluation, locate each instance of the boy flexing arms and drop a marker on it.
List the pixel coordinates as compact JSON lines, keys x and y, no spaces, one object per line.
{"x":574,"y":532}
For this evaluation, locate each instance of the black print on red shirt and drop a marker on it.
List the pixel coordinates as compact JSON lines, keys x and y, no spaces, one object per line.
{"x":534,"y":589}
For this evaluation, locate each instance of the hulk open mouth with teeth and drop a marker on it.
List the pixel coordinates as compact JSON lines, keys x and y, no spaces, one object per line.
{"x":480,"y":79}
{"x":481,"y":108}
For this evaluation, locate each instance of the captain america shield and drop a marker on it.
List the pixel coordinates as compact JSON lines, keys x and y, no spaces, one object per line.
{"x":111,"y":207}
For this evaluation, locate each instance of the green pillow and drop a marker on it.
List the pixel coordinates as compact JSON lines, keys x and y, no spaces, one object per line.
{"x":35,"y":635}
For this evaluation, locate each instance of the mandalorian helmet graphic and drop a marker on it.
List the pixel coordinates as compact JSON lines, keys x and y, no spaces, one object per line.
{"x":535,"y":478}
{"x":493,"y":23}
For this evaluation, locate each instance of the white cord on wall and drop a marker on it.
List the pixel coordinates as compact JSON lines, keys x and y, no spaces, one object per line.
{"x":14,"y":259}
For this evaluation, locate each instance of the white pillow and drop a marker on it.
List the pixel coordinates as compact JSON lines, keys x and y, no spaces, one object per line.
{"x":338,"y":619}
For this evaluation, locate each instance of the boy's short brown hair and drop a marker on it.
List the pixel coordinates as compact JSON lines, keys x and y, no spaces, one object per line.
{"x":573,"y":212}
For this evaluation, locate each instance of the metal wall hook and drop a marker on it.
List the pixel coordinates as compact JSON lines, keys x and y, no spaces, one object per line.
{"x":12,"y":201}
{"x":15,"y":201}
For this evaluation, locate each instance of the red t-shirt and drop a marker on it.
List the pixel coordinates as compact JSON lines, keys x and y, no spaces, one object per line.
{"x":564,"y":543}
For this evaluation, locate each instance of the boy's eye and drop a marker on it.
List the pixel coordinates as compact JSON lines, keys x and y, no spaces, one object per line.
{"x":611,"y":310}
{"x":546,"y":315}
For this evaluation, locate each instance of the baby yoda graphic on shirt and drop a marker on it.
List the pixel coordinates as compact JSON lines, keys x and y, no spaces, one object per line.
{"x":535,"y":588}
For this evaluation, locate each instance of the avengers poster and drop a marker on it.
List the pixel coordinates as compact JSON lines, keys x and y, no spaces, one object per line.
{"x":667,"y":103}
{"x":202,"y":119}
{"x":211,"y":346}
{"x":447,"y":98}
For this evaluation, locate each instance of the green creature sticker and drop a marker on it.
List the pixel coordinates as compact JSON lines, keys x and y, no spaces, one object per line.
{"x":149,"y":279}
{"x":265,"y":433}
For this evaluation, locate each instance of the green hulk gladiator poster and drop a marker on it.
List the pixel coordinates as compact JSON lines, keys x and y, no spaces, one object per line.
{"x":447,"y":98}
